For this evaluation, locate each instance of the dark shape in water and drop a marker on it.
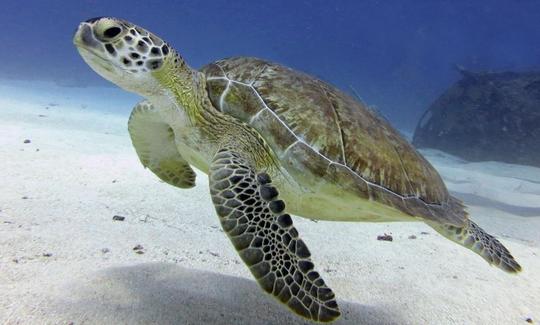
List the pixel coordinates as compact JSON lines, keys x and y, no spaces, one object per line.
{"x":486,"y":116}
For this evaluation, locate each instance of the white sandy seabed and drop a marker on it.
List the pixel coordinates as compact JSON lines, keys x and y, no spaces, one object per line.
{"x":63,"y":260}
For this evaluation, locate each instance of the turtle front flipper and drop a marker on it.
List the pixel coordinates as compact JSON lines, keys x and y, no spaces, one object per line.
{"x":263,"y":234}
{"x":154,"y":142}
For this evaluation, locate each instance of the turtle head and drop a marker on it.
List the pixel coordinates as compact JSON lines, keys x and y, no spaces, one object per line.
{"x":124,"y":54}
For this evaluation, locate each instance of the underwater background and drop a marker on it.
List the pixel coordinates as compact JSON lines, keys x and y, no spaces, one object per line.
{"x":398,"y":55}
{"x":89,"y":236}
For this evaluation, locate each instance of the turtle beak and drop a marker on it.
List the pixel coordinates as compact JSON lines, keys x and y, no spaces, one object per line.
{"x":84,"y":37}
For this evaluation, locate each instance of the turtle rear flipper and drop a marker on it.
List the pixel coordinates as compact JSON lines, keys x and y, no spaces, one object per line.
{"x":154,"y":142}
{"x":479,"y":241}
{"x":265,"y":238}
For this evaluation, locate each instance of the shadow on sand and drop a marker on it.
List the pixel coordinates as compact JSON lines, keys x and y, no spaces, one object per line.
{"x":161,"y":293}
{"x":472,"y":199}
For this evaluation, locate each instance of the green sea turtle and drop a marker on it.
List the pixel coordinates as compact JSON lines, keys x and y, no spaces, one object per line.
{"x":258,"y":129}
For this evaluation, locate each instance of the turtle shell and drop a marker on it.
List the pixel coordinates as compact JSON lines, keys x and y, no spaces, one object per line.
{"x":312,"y":126}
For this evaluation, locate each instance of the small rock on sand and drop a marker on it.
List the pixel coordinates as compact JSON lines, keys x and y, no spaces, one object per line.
{"x":118,"y":218}
{"x":412,"y":237}
{"x":27,"y":141}
{"x":385,"y":237}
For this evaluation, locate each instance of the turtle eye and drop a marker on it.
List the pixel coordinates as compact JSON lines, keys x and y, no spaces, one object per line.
{"x":111,"y":32}
{"x":107,"y":30}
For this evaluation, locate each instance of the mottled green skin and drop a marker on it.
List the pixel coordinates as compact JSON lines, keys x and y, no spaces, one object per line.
{"x":330,"y":142}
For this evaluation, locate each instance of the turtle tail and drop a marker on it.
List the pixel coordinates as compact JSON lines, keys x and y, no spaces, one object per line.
{"x":479,"y":241}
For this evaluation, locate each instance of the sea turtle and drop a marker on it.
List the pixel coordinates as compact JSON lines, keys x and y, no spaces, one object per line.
{"x":257,"y":129}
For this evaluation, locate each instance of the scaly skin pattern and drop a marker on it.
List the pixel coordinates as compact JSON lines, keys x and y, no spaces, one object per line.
{"x":253,"y":217}
{"x":479,"y":241}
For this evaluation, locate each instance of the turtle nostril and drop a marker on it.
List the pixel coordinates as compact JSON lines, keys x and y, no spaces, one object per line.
{"x":86,"y":37}
{"x":112,"y":32}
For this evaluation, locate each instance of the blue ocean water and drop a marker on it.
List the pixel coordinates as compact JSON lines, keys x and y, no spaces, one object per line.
{"x":398,"y":55}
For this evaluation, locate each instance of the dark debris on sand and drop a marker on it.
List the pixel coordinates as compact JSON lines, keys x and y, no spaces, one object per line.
{"x":139,"y":249}
{"x":385,"y":237}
